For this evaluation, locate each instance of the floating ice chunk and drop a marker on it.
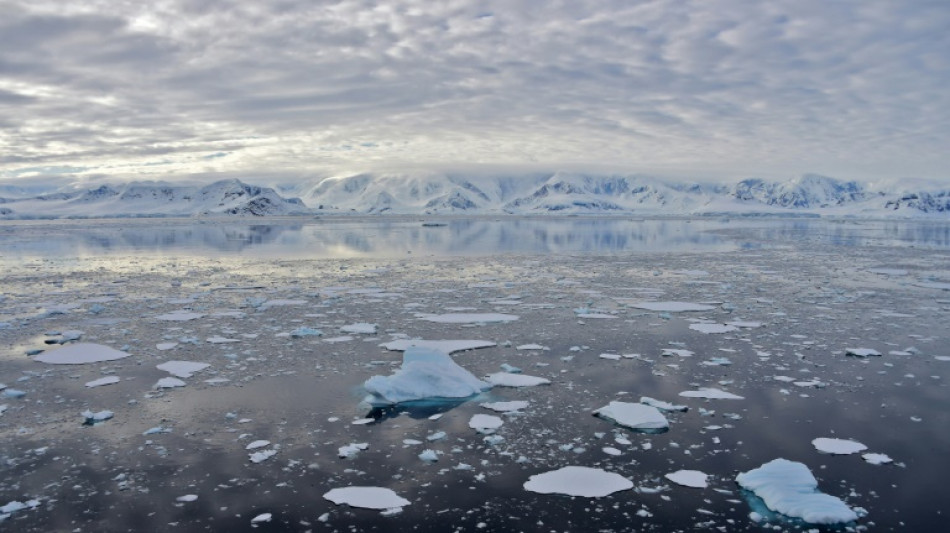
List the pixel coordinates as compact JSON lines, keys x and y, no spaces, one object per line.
{"x":710,"y":393}
{"x":304,"y":331}
{"x":425,"y":374}
{"x":350,"y":450}
{"x":505,"y":407}
{"x":838,"y":446}
{"x":790,"y":488}
{"x":261,"y":456}
{"x":862,"y":352}
{"x":361,"y":328}
{"x":510,"y":369}
{"x":663,"y":406}
{"x":82,"y":353}
{"x":672,"y":307}
{"x":578,"y":481}
{"x":280,"y":303}
{"x":717,"y":361}
{"x":182,"y":369}
{"x":366,"y":497}
{"x":429,"y":456}
{"x":13,"y":393}
{"x":92,"y":418}
{"x":180,"y":316}
{"x":636,"y":416}
{"x":108,"y":380}
{"x":877,"y":458}
{"x":156,"y":431}
{"x":216,"y":381}
{"x":257,"y":444}
{"x":341,"y":338}
{"x":446,"y":346}
{"x":469,"y":318}
{"x":3,"y":408}
{"x":610,"y":356}
{"x":485,"y":423}
{"x":218,"y":339}
{"x":712,"y":328}
{"x":888,"y":271}
{"x":164,"y":346}
{"x":677,"y":352}
{"x":187,"y":498}
{"x":531,"y":347}
{"x":745,"y":324}
{"x":14,"y":506}
{"x":610,"y":450}
{"x":942,"y":357}
{"x":688,"y":478}
{"x":169,"y":383}
{"x":261,"y":518}
{"x":504,"y":379}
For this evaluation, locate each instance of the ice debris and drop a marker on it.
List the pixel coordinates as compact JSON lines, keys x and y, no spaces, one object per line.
{"x":108,"y":380}
{"x":505,"y":379}
{"x":636,"y":416}
{"x":361,"y":328}
{"x":838,"y":446}
{"x":182,"y":369}
{"x":425,"y":374}
{"x":366,"y":497}
{"x":485,"y":423}
{"x":469,"y":318}
{"x":688,"y":478}
{"x":663,"y":406}
{"x":506,"y":407}
{"x":710,"y":393}
{"x":862,"y":352}
{"x":578,"y":481}
{"x":92,"y":418}
{"x":789,"y":488}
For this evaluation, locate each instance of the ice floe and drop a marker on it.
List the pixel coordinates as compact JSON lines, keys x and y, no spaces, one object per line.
{"x":350,"y":450}
{"x":425,"y":374}
{"x":789,"y":488}
{"x":636,"y":416}
{"x":672,"y":307}
{"x":82,"y":353}
{"x":446,"y":346}
{"x":180,"y":316}
{"x":469,"y":318}
{"x":578,"y":481}
{"x":877,"y":458}
{"x":485,"y":423}
{"x":506,"y":407}
{"x":838,"y":446}
{"x":661,"y":405}
{"x":169,"y":383}
{"x":688,"y":478}
{"x":862,"y":352}
{"x":108,"y":380}
{"x":704,"y":327}
{"x":93,"y":418}
{"x":710,"y":393}
{"x":366,"y":497}
{"x":506,"y":379}
{"x":363,"y":328}
{"x":182,"y":369}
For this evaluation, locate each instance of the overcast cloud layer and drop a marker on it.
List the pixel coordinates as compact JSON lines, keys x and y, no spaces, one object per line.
{"x":707,"y":88}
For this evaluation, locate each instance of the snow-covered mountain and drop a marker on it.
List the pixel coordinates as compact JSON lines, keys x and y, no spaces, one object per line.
{"x":436,"y":193}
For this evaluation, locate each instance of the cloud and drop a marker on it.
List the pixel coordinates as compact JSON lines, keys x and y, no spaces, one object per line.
{"x":851,"y":88}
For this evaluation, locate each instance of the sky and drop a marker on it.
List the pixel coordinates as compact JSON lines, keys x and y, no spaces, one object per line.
{"x":170,"y":89}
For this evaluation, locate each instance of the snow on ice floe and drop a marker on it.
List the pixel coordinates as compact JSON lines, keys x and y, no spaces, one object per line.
{"x":689,"y":478}
{"x":862,"y":352}
{"x":363,"y":328}
{"x":705,"y":327}
{"x":82,"y":353}
{"x":578,"y":481}
{"x":789,"y":488}
{"x":182,"y":369}
{"x":711,"y":393}
{"x":108,"y":380}
{"x":379,"y":498}
{"x":877,"y":458}
{"x":469,"y":318}
{"x":636,"y":416}
{"x":506,"y":407}
{"x":180,"y":316}
{"x":663,"y":406}
{"x":672,"y":307}
{"x":838,"y":446}
{"x":485,"y":423}
{"x":445,"y":346}
{"x":425,"y":374}
{"x":506,"y":379}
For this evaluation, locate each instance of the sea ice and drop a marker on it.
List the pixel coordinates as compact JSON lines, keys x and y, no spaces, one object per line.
{"x":182,"y":369}
{"x":180,"y":316}
{"x":672,"y":307}
{"x":531,"y":347}
{"x":360,"y":327}
{"x":257,"y":444}
{"x":877,"y":458}
{"x":425,"y":374}
{"x":710,"y":393}
{"x":663,"y":406}
{"x":261,"y":456}
{"x":304,"y":331}
{"x":261,"y":518}
{"x":712,"y":328}
{"x":163,"y":346}
{"x":862,"y":352}
{"x":446,"y":346}
{"x":485,"y":423}
{"x":578,"y":481}
{"x":505,"y":379}
{"x":350,"y":450}
{"x":95,"y":418}
{"x":689,"y":478}
{"x":838,"y":446}
{"x":82,"y":353}
{"x":366,"y":497}
{"x":187,"y":498}
{"x":108,"y":380}
{"x":505,"y":407}
{"x":469,"y":318}
{"x":635,"y":416}
{"x":790,"y":488}
{"x":169,"y":383}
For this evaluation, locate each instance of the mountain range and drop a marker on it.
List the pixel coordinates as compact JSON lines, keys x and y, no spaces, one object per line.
{"x":432,"y":193}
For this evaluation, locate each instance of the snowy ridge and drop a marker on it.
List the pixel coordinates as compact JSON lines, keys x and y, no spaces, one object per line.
{"x":437,"y":193}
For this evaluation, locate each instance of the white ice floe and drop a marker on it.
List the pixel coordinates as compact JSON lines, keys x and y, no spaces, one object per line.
{"x":635,"y":416}
{"x":350,"y":450}
{"x":446,"y":346}
{"x":677,"y":352}
{"x":366,"y":497}
{"x":704,"y":327}
{"x":578,"y":481}
{"x":485,"y":423}
{"x":425,"y":374}
{"x":164,"y":346}
{"x":505,"y":379}
{"x":661,"y":405}
{"x":877,"y":458}
{"x":182,"y":369}
{"x":82,"y":353}
{"x":789,"y":488}
{"x":506,"y":407}
{"x":218,"y":339}
{"x":862,"y":352}
{"x":92,"y":418}
{"x":280,"y":303}
{"x":257,"y":444}
{"x":610,"y":356}
{"x":710,"y":393}
{"x":469,"y":318}
{"x":261,"y":456}
{"x":672,"y":307}
{"x":108,"y":380}
{"x":429,"y":456}
{"x":180,"y":316}
{"x":341,"y":338}
{"x":261,"y":518}
{"x":531,"y":347}
{"x":688,"y":478}
{"x":838,"y":446}
{"x":304,"y":331}
{"x":169,"y":383}
{"x":187,"y":498}
{"x":363,"y":328}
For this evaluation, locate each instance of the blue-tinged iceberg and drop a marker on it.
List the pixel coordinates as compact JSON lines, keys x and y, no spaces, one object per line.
{"x":790,"y":488}
{"x":426,"y":374}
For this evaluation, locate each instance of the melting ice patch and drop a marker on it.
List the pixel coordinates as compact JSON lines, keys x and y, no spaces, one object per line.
{"x":425,"y":374}
{"x":790,"y":488}
{"x":506,"y":379}
{"x":578,"y":481}
{"x":636,"y":416}
{"x":506,"y":407}
{"x":366,"y":497}
{"x":711,"y":394}
{"x":82,"y":353}
{"x":688,"y":478}
{"x":182,"y":369}
{"x":838,"y":446}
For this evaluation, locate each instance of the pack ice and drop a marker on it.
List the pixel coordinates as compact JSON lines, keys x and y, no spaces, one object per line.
{"x":635,"y":416}
{"x":578,"y":481}
{"x":790,"y":488}
{"x":425,"y":374}
{"x":366,"y":497}
{"x":82,"y":353}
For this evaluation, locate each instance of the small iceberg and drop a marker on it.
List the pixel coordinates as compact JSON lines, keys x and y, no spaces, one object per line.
{"x":636,"y":416}
{"x":578,"y":481}
{"x":710,"y":394}
{"x":838,"y":446}
{"x":366,"y":498}
{"x":789,"y":488}
{"x":862,"y":352}
{"x":425,"y":374}
{"x":689,"y":478}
